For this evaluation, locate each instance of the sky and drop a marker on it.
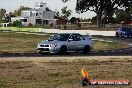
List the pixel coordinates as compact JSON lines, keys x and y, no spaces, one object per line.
{"x":11,"y":5}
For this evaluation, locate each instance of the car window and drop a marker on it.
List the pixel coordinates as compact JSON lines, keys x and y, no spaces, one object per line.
{"x":74,"y":37}
{"x":77,"y":37}
{"x":81,"y":37}
{"x":60,"y":37}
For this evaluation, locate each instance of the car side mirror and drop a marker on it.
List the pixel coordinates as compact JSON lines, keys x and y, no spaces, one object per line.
{"x":90,"y":37}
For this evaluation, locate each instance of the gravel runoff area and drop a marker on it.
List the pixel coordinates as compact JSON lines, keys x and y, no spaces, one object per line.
{"x":62,"y":72}
{"x":65,"y":59}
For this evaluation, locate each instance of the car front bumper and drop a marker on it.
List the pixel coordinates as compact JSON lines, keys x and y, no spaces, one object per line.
{"x":48,"y":50}
{"x":127,"y":35}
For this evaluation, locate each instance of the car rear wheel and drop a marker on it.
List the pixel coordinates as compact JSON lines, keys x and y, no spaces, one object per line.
{"x":117,"y":35}
{"x":63,"y":50}
{"x":86,"y":49}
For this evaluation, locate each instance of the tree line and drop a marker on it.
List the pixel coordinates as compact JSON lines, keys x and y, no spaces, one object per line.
{"x":107,"y":11}
{"x":104,"y":9}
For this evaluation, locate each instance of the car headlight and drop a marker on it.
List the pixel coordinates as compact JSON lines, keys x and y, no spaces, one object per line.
{"x":53,"y":45}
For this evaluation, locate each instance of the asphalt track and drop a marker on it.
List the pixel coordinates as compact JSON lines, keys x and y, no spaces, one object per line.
{"x":117,"y":52}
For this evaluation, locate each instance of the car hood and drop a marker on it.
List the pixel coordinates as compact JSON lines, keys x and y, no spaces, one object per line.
{"x":49,"y":42}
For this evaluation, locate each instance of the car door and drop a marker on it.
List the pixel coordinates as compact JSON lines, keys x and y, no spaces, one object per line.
{"x":80,"y":42}
{"x":72,"y":43}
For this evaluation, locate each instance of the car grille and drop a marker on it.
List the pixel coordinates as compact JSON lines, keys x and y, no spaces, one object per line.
{"x":44,"y":49}
{"x":44,"y":45}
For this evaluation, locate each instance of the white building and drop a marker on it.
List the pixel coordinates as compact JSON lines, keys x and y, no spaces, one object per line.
{"x":36,"y":16}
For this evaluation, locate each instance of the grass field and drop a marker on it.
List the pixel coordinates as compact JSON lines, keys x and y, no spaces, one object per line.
{"x":19,"y":42}
{"x":27,"y":43}
{"x":20,"y":29}
{"x":103,"y":45}
{"x":61,"y":73}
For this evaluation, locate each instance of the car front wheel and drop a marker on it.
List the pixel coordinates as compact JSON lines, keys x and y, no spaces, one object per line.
{"x":86,"y":49}
{"x":41,"y":53}
{"x":63,"y":50}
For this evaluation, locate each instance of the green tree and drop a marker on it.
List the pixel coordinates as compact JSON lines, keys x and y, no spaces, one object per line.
{"x":65,"y":12}
{"x":103,"y":8}
{"x":2,"y":14}
{"x":65,"y":0}
{"x":18,"y":11}
{"x":123,"y":15}
{"x":6,"y":18}
{"x":11,"y":14}
{"x":94,"y":20}
{"x":57,"y":13}
{"x":16,"y":24}
{"x":111,"y":20}
{"x":47,"y":9}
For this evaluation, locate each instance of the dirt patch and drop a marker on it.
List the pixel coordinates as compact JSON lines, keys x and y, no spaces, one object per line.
{"x":58,"y":73}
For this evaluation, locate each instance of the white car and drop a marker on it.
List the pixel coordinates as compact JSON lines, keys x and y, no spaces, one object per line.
{"x":65,"y":42}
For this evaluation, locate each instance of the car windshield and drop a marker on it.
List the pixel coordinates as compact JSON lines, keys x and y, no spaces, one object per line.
{"x":60,"y":37}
